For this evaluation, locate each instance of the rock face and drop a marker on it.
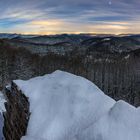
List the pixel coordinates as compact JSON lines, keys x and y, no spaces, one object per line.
{"x":17,"y":114}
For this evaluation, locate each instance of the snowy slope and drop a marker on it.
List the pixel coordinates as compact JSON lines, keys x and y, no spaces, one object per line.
{"x":68,"y":107}
{"x":2,"y":108}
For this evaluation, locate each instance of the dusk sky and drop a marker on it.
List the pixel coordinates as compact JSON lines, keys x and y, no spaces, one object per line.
{"x":69,"y":16}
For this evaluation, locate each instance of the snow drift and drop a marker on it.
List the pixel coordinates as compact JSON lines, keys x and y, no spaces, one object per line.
{"x":68,"y":107}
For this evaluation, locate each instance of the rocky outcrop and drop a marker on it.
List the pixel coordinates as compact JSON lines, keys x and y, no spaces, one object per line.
{"x":17,"y":113}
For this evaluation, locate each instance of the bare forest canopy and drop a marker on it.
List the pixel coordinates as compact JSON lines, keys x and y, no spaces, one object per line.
{"x":112,"y":63}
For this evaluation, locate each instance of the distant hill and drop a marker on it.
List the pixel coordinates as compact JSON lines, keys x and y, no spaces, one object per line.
{"x":85,"y":44}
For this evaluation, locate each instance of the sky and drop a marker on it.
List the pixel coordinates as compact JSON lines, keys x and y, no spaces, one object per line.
{"x":70,"y":16}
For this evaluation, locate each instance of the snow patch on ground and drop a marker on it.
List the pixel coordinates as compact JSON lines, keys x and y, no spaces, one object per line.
{"x":68,"y":107}
{"x":106,"y":39}
{"x":2,"y":101}
{"x":2,"y":109}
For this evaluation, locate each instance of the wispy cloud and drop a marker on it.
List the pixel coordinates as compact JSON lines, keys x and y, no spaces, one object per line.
{"x":53,"y":16}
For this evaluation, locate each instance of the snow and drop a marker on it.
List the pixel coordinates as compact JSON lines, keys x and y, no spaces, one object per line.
{"x":68,"y":107}
{"x":106,"y":39}
{"x":120,"y":123}
{"x":127,"y":57}
{"x":2,"y":101}
{"x":2,"y":109}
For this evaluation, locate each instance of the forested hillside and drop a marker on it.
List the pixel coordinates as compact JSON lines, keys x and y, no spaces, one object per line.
{"x":112,"y":65}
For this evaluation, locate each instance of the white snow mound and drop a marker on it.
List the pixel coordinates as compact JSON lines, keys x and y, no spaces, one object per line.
{"x":68,"y":107}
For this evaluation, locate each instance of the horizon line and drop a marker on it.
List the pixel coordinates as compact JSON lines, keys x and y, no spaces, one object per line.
{"x":69,"y":33}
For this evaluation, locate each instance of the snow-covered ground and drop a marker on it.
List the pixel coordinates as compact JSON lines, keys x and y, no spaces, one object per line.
{"x":2,"y":108}
{"x":2,"y":101}
{"x":68,"y":107}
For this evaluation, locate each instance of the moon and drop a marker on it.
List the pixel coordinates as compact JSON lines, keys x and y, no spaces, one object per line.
{"x":110,"y":3}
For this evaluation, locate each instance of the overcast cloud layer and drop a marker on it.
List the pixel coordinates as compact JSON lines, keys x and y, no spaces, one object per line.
{"x":70,"y":16}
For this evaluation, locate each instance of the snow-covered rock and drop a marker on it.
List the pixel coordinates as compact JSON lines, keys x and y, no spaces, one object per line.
{"x":68,"y":107}
{"x":120,"y":123}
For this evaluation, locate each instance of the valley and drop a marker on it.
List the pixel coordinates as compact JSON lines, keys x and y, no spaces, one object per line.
{"x":111,"y":62}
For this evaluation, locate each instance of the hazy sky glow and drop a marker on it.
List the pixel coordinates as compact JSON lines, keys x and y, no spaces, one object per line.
{"x":69,"y":16}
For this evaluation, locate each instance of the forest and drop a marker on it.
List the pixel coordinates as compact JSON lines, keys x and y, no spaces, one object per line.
{"x":118,"y":75}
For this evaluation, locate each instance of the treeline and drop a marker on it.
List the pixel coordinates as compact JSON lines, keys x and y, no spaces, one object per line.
{"x":119,"y":78}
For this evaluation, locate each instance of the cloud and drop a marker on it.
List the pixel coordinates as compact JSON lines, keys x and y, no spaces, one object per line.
{"x":53,"y":16}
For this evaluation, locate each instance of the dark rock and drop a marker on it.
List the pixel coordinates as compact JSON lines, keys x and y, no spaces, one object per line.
{"x":17,"y":114}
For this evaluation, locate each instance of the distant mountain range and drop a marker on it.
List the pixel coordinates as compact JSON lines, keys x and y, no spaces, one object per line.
{"x":84,"y":43}
{"x":10,"y":36}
